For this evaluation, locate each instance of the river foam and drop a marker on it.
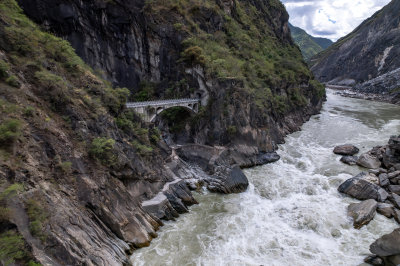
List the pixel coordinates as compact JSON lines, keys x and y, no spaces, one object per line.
{"x":291,"y":213}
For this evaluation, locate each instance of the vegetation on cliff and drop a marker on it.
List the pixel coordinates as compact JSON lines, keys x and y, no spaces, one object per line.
{"x":53,"y":108}
{"x":84,"y":163}
{"x":309,"y":45}
{"x":244,"y":46}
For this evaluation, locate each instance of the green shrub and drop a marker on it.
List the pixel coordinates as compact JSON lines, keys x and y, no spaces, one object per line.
{"x":146,"y":91}
{"x":115,"y":99}
{"x":11,"y":191}
{"x":318,"y":87}
{"x":155,"y":135}
{"x":12,"y":247}
{"x":37,"y":216}
{"x":232,"y":130}
{"x":10,"y":130}
{"x":13,"y":81}
{"x":4,"y":67}
{"x":193,"y":56}
{"x":65,"y":167}
{"x":55,"y":88}
{"x":29,"y":111}
{"x":142,"y":149}
{"x":102,"y":149}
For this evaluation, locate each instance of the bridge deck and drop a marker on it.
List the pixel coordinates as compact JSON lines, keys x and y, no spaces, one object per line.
{"x":160,"y":103}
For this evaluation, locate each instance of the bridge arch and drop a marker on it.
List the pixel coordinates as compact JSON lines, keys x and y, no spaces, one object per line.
{"x":160,"y":110}
{"x":151,"y":109}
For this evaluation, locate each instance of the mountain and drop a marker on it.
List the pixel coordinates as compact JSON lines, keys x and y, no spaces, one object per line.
{"x":368,"y":56}
{"x":83,"y":179}
{"x":308,"y":44}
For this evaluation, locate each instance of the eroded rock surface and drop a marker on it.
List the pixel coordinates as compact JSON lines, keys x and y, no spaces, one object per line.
{"x":346,"y":149}
{"x":361,"y":189}
{"x":362,"y":213}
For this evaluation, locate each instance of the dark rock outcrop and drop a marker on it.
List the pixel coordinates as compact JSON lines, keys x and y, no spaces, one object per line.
{"x":266,"y":158}
{"x":229,"y":181}
{"x":365,"y":53}
{"x":362,"y":213}
{"x":361,"y":189}
{"x":346,"y":149}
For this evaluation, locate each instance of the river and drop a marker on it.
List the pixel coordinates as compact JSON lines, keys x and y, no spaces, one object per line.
{"x":291,"y":213}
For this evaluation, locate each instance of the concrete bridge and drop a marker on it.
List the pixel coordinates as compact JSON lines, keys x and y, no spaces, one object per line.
{"x":151,"y":109}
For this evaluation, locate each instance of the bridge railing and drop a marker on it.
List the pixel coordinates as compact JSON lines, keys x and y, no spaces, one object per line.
{"x":160,"y":103}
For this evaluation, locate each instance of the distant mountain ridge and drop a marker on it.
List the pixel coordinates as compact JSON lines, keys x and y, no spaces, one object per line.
{"x":309,"y":45}
{"x":367,"y":58}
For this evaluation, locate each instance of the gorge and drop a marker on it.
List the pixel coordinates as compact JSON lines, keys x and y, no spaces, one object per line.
{"x":89,"y":178}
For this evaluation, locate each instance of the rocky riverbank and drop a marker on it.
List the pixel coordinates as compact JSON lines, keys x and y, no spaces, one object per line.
{"x":393,"y":98}
{"x":379,"y":191}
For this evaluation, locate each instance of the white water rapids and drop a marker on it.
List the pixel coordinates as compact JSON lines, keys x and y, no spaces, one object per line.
{"x":291,"y":213}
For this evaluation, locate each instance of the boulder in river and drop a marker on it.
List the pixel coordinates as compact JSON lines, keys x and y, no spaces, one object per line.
{"x":394,"y":189}
{"x":393,"y":174}
{"x":387,"y":245}
{"x":265,"y":158}
{"x":361,"y":189}
{"x":368,"y":161}
{"x":374,"y":260}
{"x":384,"y":180}
{"x":395,"y":199}
{"x":385,"y":209}
{"x":346,"y":149}
{"x":396,"y":215}
{"x":350,"y":160}
{"x":362,"y":213}
{"x":228,"y":181}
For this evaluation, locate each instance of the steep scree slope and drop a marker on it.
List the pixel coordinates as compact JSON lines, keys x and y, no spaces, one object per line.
{"x":370,"y":51}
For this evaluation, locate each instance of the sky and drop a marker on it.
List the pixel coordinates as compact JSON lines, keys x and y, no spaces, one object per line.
{"x":331,"y":19}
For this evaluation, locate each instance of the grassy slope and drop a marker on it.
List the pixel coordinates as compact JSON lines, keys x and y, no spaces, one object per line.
{"x":43,"y":84}
{"x":308,"y":44}
{"x":246,"y":49}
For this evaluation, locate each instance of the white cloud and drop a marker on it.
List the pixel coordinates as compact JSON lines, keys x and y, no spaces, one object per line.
{"x":331,"y":19}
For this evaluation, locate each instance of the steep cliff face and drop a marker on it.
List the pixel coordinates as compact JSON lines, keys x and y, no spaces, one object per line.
{"x":308,"y":44}
{"x":370,"y":51}
{"x":85,"y":181}
{"x":238,"y":54}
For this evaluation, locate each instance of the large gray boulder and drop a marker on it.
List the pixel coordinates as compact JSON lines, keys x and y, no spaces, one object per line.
{"x":265,"y":158}
{"x":228,"y":181}
{"x":384,"y":180}
{"x":346,"y":149}
{"x":394,"y":189}
{"x":362,"y":213}
{"x":368,"y":161}
{"x":350,"y":160}
{"x":387,"y":245}
{"x":395,"y":199}
{"x":359,"y":188}
{"x":385,"y":209}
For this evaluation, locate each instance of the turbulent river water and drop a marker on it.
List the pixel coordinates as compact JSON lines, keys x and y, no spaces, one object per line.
{"x":291,"y":213}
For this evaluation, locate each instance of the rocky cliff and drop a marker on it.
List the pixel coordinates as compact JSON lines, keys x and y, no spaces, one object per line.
{"x":85,"y":181}
{"x":309,"y":45}
{"x":367,"y":53}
